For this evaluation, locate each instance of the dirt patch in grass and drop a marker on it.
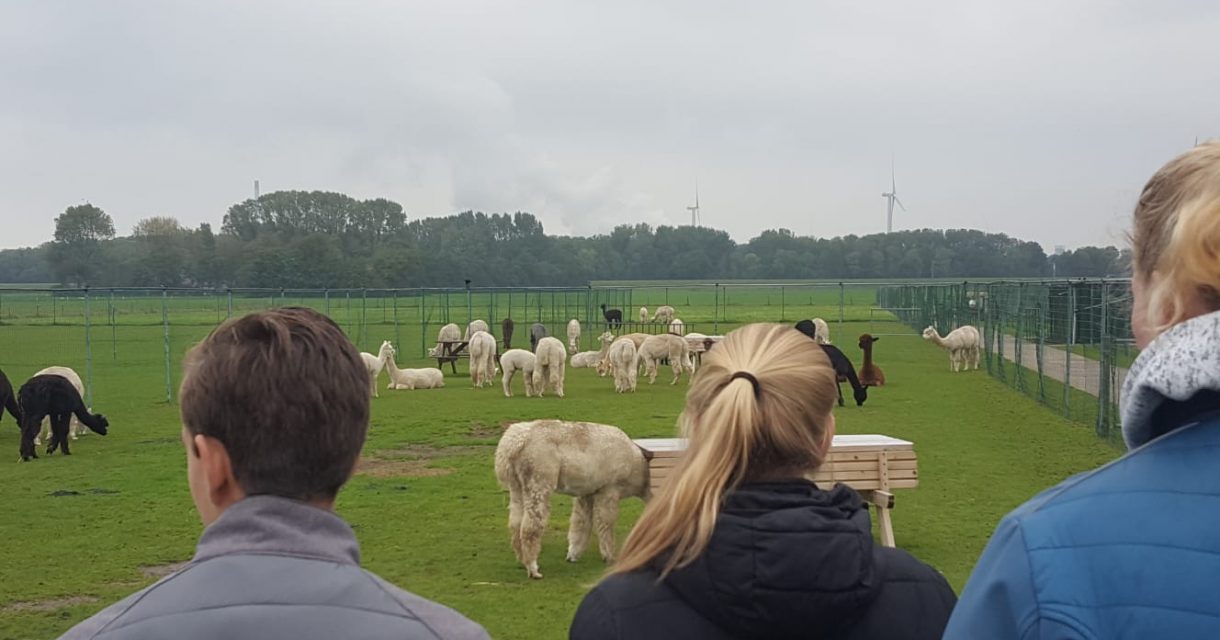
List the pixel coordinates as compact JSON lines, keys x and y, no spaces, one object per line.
{"x":411,"y":461}
{"x":159,"y":571}
{"x":49,"y":604}
{"x":481,"y":431}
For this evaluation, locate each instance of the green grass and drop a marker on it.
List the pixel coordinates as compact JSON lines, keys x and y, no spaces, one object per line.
{"x":983,"y":449}
{"x":1124,"y":354}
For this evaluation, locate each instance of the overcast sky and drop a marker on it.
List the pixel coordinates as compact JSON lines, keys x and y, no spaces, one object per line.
{"x":1037,"y":119}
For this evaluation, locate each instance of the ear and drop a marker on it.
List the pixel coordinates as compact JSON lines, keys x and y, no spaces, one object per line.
{"x":876,"y":339}
{"x":217,"y":467}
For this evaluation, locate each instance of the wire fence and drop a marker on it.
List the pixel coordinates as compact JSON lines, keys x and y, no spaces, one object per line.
{"x":129,"y":342}
{"x":1067,"y":344}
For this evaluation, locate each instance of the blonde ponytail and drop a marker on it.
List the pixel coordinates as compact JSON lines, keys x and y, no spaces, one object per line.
{"x":758,"y":404}
{"x":1177,"y":234}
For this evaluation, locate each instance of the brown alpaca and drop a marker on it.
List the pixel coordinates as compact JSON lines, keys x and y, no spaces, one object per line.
{"x":870,"y":374}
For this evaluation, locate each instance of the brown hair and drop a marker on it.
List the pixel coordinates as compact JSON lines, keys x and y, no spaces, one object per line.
{"x":287,"y":394}
{"x":757,"y":407}
{"x":1177,"y":233}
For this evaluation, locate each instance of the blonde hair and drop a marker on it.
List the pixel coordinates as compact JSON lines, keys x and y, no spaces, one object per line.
{"x":758,"y":407}
{"x":1177,"y":234}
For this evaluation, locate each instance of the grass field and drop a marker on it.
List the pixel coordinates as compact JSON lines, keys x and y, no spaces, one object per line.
{"x":86,"y":530}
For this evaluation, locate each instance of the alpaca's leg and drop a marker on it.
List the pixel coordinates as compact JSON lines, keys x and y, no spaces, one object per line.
{"x":605,"y":514}
{"x":59,"y":430}
{"x":557,"y":381}
{"x":580,"y":527}
{"x":839,"y":390}
{"x":507,"y":384}
{"x":515,"y":512}
{"x":44,"y":432}
{"x":537,"y":510}
{"x":29,"y":432}
{"x":373,"y":384}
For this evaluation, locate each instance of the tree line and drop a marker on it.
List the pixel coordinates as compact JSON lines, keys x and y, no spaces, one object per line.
{"x":299,"y":239}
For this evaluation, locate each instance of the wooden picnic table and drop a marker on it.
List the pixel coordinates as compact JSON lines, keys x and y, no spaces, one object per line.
{"x":871,"y":464}
{"x":454,"y":350}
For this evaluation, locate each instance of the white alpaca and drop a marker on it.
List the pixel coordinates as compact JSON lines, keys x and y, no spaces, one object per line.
{"x":549,"y":366}
{"x":515,"y":360}
{"x":603,"y":364}
{"x":643,"y":314}
{"x":448,"y":333}
{"x":963,"y":345}
{"x":821,"y":331}
{"x":474,"y":327}
{"x":585,"y":359}
{"x":665,"y":347}
{"x":482,"y":358}
{"x":664,"y":313}
{"x":676,"y":327}
{"x":622,"y":359}
{"x":573,"y":335}
{"x":375,"y":363}
{"x":596,"y":464}
{"x":412,"y":378}
{"x":75,"y":428}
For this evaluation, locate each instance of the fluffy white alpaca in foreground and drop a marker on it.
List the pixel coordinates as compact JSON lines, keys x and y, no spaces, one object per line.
{"x":515,"y":360}
{"x":412,"y":378}
{"x":665,"y":347}
{"x":474,"y":327}
{"x":75,"y":428}
{"x":375,"y":363}
{"x":664,"y":313}
{"x":596,"y":464}
{"x":448,"y":333}
{"x":963,"y":345}
{"x":549,"y":366}
{"x":573,"y":335}
{"x":622,"y":358}
{"x":482,"y":349}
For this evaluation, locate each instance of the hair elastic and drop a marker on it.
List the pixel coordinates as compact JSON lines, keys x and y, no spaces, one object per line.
{"x":748,"y":376}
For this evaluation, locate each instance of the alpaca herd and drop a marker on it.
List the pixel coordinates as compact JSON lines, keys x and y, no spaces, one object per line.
{"x":52,"y":395}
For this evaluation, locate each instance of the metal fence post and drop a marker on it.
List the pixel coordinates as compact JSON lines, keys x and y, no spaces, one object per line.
{"x":88,"y":352}
{"x":169,"y":394}
{"x":842,"y":301}
{"x":781,"y":303}
{"x":229,"y":296}
{"x":716,"y":311}
{"x":114,"y":341}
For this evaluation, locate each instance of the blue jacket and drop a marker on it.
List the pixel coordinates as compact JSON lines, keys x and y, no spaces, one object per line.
{"x":1130,"y":550}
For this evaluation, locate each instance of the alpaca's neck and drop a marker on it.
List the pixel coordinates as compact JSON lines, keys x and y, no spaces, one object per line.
{"x":938,"y":339}
{"x":389,"y":362}
{"x":868,"y":355}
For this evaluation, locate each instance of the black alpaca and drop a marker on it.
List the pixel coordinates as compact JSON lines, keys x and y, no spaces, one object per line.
{"x":537,"y":332}
{"x":54,"y":396}
{"x":844,"y":369}
{"x":506,"y":330}
{"x":8,"y":399}
{"x":614,"y":317}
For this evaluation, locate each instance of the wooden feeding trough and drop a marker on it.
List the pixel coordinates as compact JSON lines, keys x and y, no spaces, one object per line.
{"x":871,"y":464}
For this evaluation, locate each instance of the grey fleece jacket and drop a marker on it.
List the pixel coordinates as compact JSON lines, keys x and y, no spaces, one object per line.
{"x":272,"y":568}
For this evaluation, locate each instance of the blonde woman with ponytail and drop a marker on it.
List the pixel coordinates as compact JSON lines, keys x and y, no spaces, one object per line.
{"x":1132,"y":550}
{"x":739,"y":544}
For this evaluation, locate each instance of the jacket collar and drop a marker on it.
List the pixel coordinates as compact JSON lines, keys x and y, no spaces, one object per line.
{"x":1181,"y":363}
{"x":274,"y":525}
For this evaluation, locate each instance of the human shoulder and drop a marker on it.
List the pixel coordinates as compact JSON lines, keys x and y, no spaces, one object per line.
{"x":94,"y":625}
{"x":446,"y":623}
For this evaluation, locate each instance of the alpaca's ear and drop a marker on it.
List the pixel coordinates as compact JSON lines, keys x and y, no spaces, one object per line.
{"x":876,"y":339}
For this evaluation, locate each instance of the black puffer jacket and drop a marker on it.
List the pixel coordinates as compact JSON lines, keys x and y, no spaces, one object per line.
{"x":787,"y":560}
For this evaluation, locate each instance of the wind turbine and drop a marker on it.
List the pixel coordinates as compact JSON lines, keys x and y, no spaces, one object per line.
{"x":694,"y":211}
{"x":891,"y":197}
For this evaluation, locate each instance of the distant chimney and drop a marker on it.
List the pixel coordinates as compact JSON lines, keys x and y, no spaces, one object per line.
{"x":1059,"y":250}
{"x":256,"y":189}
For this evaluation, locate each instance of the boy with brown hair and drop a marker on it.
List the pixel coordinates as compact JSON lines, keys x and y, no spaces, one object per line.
{"x":275,"y":409}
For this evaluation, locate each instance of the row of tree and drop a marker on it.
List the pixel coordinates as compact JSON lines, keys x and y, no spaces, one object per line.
{"x":297,"y":239}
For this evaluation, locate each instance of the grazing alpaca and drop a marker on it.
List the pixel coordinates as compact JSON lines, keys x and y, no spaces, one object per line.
{"x":574,"y":335}
{"x":669,"y":347}
{"x":75,"y":428}
{"x":870,"y":374}
{"x":412,"y":378}
{"x":482,"y":358}
{"x":8,"y":400}
{"x":614,"y":317}
{"x":448,"y":333}
{"x":506,"y":330}
{"x":643,"y":314}
{"x":54,"y":396}
{"x":537,"y":332}
{"x":375,"y":363}
{"x":549,"y":366}
{"x":515,"y":360}
{"x":664,"y":313}
{"x":622,"y":358}
{"x":844,"y":370}
{"x":603,"y":365}
{"x":963,"y":345}
{"x":475,"y":326}
{"x":596,"y":464}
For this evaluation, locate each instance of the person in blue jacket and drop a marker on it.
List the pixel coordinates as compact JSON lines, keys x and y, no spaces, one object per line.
{"x":1132,"y":550}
